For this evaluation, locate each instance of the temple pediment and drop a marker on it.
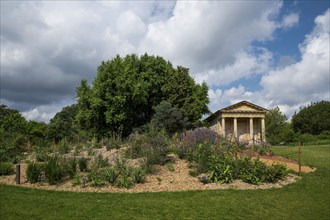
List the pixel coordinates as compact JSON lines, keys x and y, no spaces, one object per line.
{"x":244,"y":106}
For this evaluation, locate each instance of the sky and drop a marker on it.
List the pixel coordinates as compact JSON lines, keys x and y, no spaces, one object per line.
{"x":271,"y":53}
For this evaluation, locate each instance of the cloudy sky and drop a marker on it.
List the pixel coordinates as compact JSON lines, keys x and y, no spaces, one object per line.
{"x":272,"y":53}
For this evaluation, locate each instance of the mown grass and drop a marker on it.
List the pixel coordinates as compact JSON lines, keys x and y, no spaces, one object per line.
{"x":309,"y":198}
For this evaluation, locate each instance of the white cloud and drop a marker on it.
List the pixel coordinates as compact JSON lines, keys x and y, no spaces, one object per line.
{"x":245,"y":65}
{"x":290,"y":20}
{"x":308,"y":79}
{"x":202,"y":35}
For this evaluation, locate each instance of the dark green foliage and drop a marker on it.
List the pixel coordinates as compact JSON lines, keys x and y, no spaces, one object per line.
{"x":33,"y":172}
{"x":227,"y":169}
{"x":277,"y":129}
{"x":221,"y":170}
{"x":123,"y":175}
{"x":313,"y":119}
{"x":168,"y":118}
{"x":6,"y":168}
{"x":41,"y":153}
{"x":54,"y":170}
{"x":83,"y":164}
{"x":96,"y":178}
{"x":63,"y":124}
{"x":125,"y":91}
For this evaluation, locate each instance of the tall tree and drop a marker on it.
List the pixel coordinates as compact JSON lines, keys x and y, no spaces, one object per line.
{"x":125,"y":91}
{"x":276,"y":125}
{"x":63,"y":124}
{"x":312,"y":119}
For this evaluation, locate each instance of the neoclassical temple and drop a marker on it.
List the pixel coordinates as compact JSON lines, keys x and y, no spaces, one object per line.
{"x":243,"y":120}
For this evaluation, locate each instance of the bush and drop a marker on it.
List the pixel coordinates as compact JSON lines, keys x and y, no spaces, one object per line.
{"x":221,"y":170}
{"x":54,"y":170}
{"x":63,"y":148}
{"x":123,"y":175}
{"x":70,"y":166}
{"x":40,"y":154}
{"x":33,"y":172}
{"x":226,"y":169}
{"x":6,"y":168}
{"x":83,"y":163}
{"x":96,"y":178}
{"x":200,"y":157}
{"x":100,"y":162}
{"x":153,"y":147}
{"x":76,"y":180}
{"x":110,"y":174}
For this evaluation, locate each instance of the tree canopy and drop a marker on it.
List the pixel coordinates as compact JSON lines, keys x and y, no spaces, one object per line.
{"x":312,"y":119}
{"x":277,"y":129}
{"x":63,"y":124}
{"x":126,"y":90}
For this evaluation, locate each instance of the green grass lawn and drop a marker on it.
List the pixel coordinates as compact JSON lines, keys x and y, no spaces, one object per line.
{"x":309,"y":198}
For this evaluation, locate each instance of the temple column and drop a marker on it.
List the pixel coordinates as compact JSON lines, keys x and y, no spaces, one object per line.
{"x":263,"y":132}
{"x":251,"y":129}
{"x":223,"y":124}
{"x":235,"y":127}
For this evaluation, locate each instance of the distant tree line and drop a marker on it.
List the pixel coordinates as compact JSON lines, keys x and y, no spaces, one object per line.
{"x":310,"y":124}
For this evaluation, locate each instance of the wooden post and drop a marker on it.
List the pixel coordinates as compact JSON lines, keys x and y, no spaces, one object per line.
{"x":299,"y":157}
{"x":18,"y":174}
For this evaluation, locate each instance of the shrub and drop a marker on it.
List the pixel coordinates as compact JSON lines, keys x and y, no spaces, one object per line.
{"x":40,"y":154}
{"x":124,"y":182}
{"x":33,"y":172}
{"x":70,"y":166}
{"x":83,"y":163}
{"x":6,"y":168}
{"x":123,"y":175}
{"x":53,"y":170}
{"x":138,"y":175}
{"x":100,"y":162}
{"x":221,"y":170}
{"x":200,"y":157}
{"x":110,"y":174}
{"x":152,"y":147}
{"x":275,"y":172}
{"x":96,"y":178}
{"x":63,"y":147}
{"x":76,"y":180}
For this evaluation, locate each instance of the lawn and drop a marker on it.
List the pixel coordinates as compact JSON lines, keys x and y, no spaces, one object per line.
{"x":309,"y":198}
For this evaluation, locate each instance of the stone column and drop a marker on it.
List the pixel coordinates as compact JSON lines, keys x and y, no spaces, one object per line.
{"x":223,"y":124}
{"x":251,"y":129}
{"x":235,"y":127}
{"x":263,"y":132}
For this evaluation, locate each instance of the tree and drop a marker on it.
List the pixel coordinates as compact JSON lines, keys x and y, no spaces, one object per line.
{"x":12,"y":134}
{"x":168,"y":117}
{"x":277,"y":129}
{"x":313,"y":119}
{"x":63,"y":124}
{"x":126,"y":90}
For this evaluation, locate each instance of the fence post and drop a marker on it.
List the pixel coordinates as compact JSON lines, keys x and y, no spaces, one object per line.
{"x":18,"y":173}
{"x":299,"y":157}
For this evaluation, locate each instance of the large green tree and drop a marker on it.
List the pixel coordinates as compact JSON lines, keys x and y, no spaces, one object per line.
{"x":63,"y":125}
{"x":312,"y":119}
{"x":277,"y":128}
{"x":126,"y":90}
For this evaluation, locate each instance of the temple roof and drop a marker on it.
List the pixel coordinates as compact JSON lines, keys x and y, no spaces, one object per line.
{"x":241,"y":107}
